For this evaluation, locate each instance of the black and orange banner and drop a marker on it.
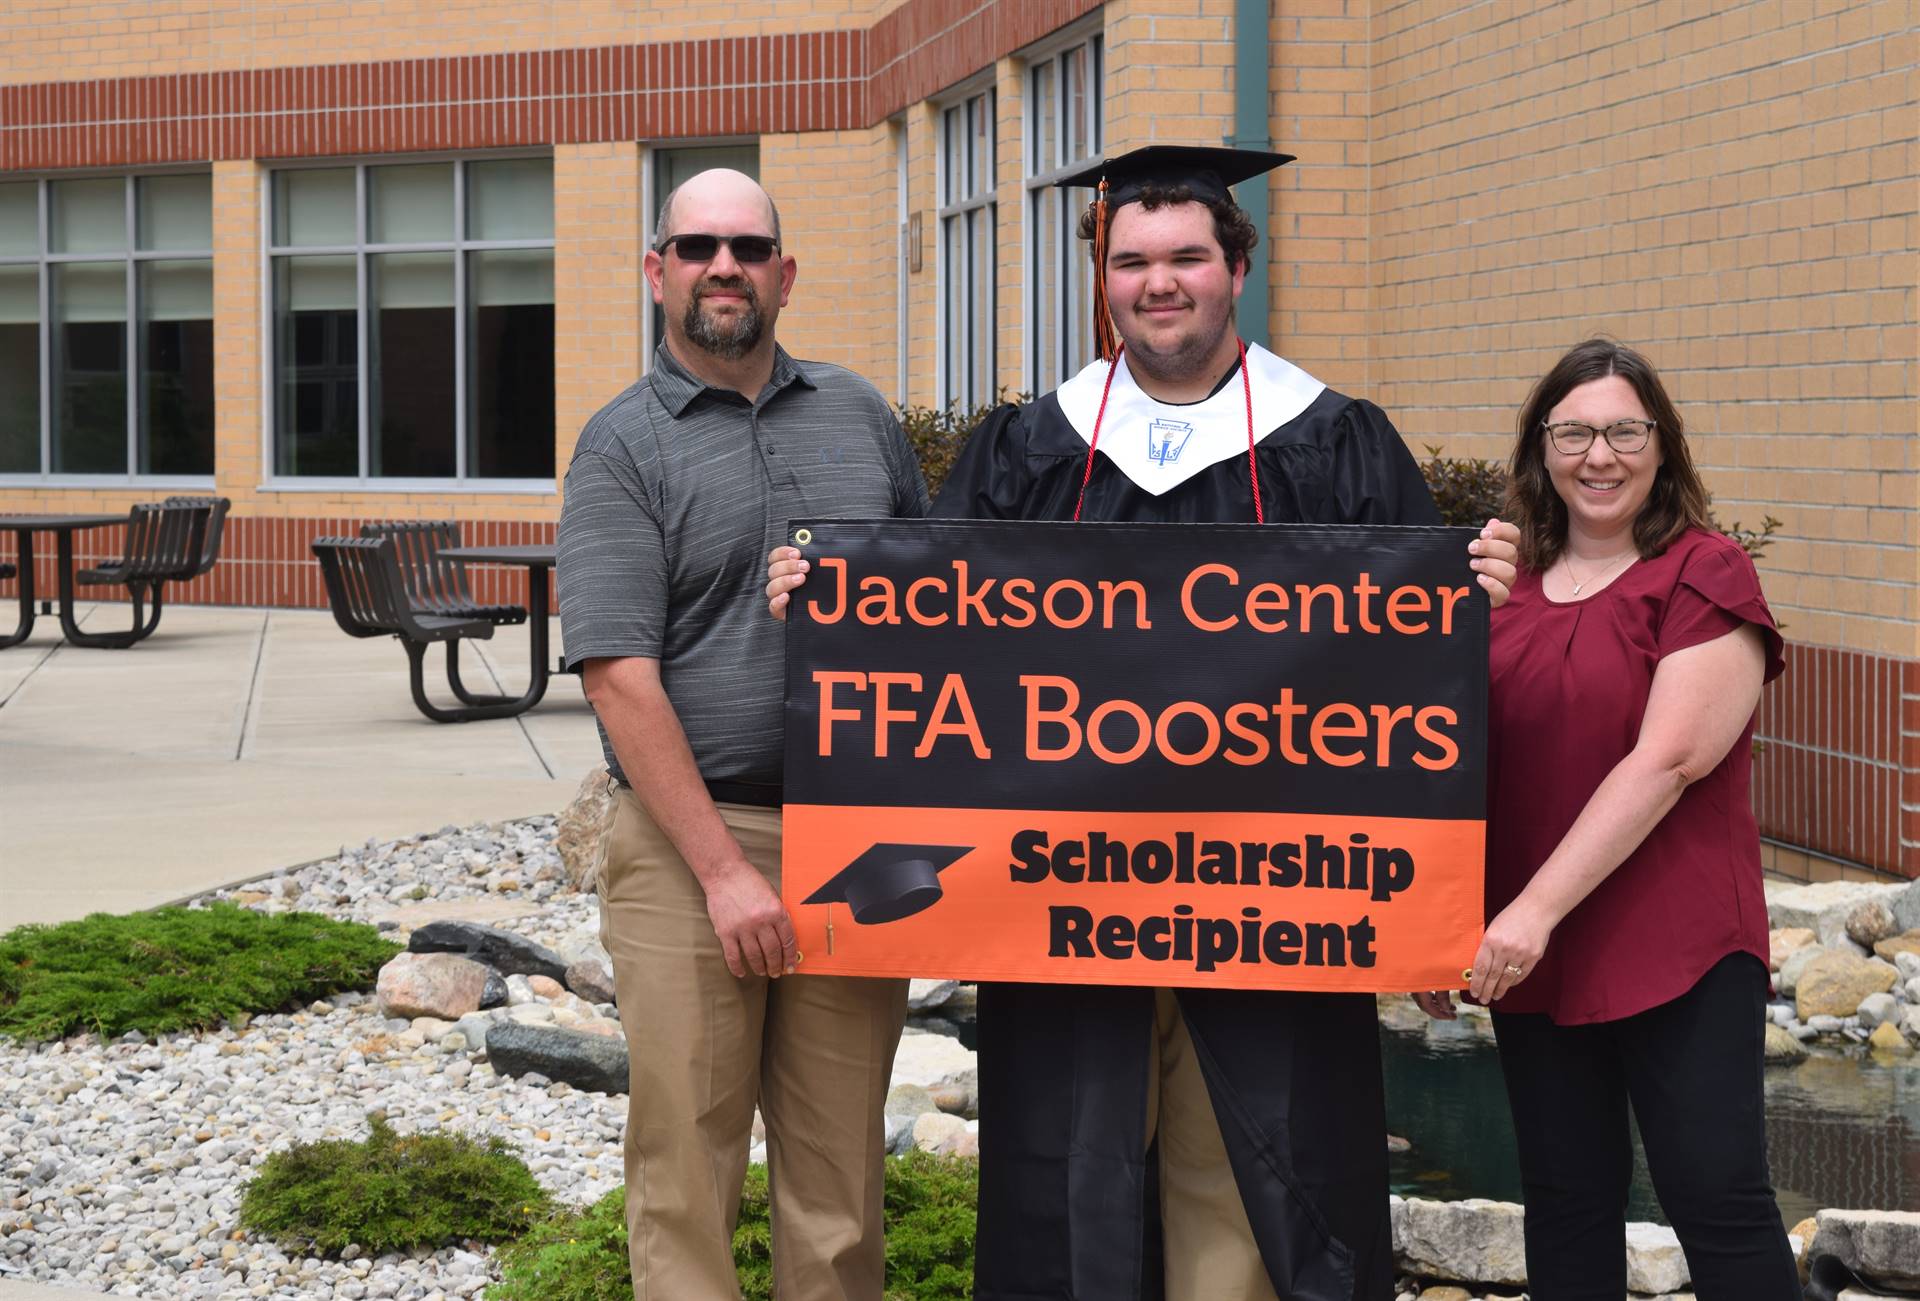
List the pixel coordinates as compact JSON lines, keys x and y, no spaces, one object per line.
{"x":1218,"y":754}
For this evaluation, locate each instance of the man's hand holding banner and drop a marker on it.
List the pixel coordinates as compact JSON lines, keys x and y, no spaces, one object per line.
{"x":1220,"y":755}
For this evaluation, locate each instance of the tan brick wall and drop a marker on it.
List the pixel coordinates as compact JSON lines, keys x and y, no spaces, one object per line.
{"x":1169,"y":72}
{"x":1734,"y":188}
{"x":240,"y":336}
{"x":69,"y":40}
{"x":599,"y":291}
{"x":1320,"y":220}
{"x":836,"y":195}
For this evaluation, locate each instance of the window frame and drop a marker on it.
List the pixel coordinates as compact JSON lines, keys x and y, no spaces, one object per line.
{"x":361,"y":250}
{"x":1037,"y":178}
{"x":43,"y":260}
{"x":948,"y":210}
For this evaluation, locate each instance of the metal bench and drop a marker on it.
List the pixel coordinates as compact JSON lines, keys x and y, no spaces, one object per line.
{"x":436,"y":585}
{"x":165,"y":544}
{"x":217,"y":508}
{"x":368,"y":594}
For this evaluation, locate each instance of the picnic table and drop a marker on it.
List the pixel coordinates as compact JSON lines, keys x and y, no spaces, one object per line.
{"x":538,"y":560}
{"x":63,"y":527}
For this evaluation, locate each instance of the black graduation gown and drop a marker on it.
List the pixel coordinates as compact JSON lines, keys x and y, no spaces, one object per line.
{"x":1068,"y":1197}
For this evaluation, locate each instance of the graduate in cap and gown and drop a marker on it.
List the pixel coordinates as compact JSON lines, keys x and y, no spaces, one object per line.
{"x":1190,"y":1144}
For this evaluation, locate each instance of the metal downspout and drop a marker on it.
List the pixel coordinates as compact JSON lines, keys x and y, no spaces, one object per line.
{"x":1252,"y":127}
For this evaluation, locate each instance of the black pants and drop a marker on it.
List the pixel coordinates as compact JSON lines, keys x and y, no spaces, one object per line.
{"x":1692,"y":1070}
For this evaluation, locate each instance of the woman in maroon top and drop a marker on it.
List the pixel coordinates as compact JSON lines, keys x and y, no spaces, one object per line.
{"x":1625,"y":956}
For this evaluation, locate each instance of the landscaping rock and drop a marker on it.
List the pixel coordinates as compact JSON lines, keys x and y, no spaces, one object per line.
{"x":1475,"y":1239}
{"x":1883,"y":1247}
{"x":546,"y":987}
{"x":958,"y":1095}
{"x":964,"y":1143}
{"x":925,"y":995}
{"x":1782,"y":1046}
{"x":1893,"y":946}
{"x":1800,"y":1238}
{"x":429,"y":984}
{"x":592,"y":980}
{"x":586,"y":1061}
{"x":504,"y":951}
{"x":936,"y":1128}
{"x":1446,"y":1292}
{"x":929,"y":1059}
{"x":1655,"y":1262}
{"x":1886,"y":1038}
{"x":474,"y":1028}
{"x":1905,"y":903}
{"x":1877,"y":1009}
{"x":581,"y":831}
{"x":1823,"y":908}
{"x":1795,"y":963}
{"x":1784,"y":943}
{"x":1834,"y":983}
{"x":495,"y":994}
{"x":471,"y":908}
{"x":1870,"y":922}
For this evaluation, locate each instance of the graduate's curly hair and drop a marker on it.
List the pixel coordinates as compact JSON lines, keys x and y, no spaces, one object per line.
{"x":1231,"y":226}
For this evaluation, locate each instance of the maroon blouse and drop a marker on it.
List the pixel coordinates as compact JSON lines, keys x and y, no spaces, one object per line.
{"x":1569,"y":689}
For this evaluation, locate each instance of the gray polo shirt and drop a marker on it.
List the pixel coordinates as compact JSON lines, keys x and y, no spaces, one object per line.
{"x":676,"y":494}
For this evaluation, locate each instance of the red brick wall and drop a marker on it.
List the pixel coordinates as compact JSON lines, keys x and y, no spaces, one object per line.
{"x":269,"y":561}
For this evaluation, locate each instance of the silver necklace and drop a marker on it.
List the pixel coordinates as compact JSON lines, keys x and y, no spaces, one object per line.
{"x":1591,"y":578}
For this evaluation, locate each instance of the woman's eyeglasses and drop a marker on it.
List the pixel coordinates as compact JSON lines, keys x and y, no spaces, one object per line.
{"x":1571,"y":437}
{"x":747,"y":250}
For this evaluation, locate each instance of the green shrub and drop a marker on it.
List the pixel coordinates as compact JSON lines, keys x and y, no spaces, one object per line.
{"x":574,"y":1255}
{"x":176,"y":969}
{"x":581,"y":1255}
{"x":1468,"y":492}
{"x":937,"y":434}
{"x":391,"y":1193}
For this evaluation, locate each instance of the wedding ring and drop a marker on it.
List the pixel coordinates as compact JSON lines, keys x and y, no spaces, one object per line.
{"x":1515,"y":971}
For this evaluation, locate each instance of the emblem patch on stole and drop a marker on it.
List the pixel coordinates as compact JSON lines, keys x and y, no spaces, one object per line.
{"x":1166,"y":439}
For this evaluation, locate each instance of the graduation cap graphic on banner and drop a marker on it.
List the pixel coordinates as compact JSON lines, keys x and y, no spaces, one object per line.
{"x":890,"y":881}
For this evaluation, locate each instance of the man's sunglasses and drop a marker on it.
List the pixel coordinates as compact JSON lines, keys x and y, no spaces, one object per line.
{"x":747,"y":250}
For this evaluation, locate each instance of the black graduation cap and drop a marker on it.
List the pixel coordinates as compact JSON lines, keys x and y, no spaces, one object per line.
{"x":1206,"y":171}
{"x":888,"y":882}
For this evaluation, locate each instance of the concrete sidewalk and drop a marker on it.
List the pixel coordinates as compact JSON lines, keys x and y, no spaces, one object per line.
{"x":235,"y":741}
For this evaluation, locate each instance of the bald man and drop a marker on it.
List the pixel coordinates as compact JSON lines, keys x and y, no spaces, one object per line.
{"x":677,"y":488}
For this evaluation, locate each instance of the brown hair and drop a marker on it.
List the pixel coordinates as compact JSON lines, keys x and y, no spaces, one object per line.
{"x":1231,"y":228}
{"x":1678,"y":501}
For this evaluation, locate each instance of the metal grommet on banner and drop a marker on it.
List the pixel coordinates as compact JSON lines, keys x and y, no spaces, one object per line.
{"x":802,"y":536}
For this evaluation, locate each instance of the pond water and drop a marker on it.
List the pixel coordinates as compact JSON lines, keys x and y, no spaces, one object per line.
{"x":1843,"y":1130}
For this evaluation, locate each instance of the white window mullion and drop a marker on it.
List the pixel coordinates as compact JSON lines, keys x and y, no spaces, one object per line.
{"x":363,"y":334}
{"x":132,"y":337}
{"x":460,"y":434}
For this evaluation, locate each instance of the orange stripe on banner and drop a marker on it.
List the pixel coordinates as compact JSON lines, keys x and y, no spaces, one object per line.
{"x":1234,"y":900}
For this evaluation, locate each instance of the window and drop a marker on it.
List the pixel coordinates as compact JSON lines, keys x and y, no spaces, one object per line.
{"x":413,"y":320}
{"x":967,"y":225}
{"x":106,"y":326}
{"x":1064,"y":132}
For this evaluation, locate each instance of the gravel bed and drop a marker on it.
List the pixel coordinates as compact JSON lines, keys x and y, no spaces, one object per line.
{"x":122,"y":1163}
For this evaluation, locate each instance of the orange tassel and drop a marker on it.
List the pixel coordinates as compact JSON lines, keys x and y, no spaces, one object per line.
{"x":1103,"y":337}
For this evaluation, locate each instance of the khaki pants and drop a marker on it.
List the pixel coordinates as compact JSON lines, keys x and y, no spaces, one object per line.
{"x":815,"y":1053}
{"x":1210,"y":1252}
